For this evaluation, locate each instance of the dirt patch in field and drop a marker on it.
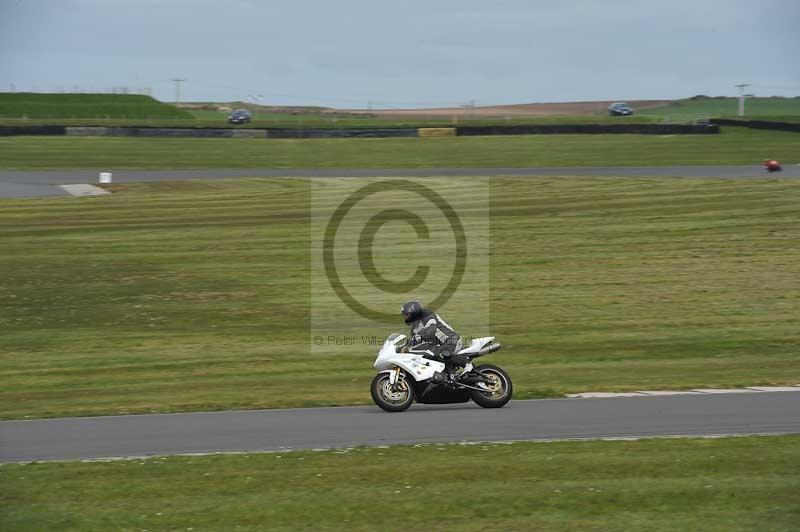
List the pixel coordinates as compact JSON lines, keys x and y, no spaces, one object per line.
{"x":513,"y":111}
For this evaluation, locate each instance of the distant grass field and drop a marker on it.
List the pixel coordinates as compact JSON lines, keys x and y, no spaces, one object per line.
{"x":764,"y":108}
{"x":733,"y":146}
{"x":54,"y":108}
{"x":328,"y":121}
{"x":194,"y":295}
{"x":133,"y":110}
{"x":713,"y":485}
{"x":262,"y":119}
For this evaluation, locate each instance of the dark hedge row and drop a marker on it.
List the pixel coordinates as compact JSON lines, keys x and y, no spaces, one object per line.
{"x":562,"y":129}
{"x":123,"y":131}
{"x":758,"y":124}
{"x":32,"y":130}
{"x":339,"y":133}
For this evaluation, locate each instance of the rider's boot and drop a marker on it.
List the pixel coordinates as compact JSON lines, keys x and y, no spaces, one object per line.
{"x":456,"y":366}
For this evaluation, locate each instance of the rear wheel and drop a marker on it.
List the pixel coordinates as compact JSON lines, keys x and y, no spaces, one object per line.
{"x":392,"y":398}
{"x":498,"y":389}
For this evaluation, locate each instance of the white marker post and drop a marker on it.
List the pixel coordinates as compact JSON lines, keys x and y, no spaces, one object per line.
{"x":105,"y":177}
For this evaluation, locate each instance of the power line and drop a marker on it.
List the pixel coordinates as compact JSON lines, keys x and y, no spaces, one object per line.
{"x":777,"y":87}
{"x":309,"y":98}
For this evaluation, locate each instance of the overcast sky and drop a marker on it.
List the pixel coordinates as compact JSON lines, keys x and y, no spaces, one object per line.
{"x":412,"y":53}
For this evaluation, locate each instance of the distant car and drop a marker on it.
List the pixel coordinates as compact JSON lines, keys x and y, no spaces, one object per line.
{"x":240,"y":116}
{"x":620,"y":109}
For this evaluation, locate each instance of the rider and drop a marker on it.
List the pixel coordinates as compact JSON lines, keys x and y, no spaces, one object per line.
{"x":432,"y":337}
{"x":771,"y":165}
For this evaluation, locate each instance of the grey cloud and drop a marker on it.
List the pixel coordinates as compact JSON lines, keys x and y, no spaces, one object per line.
{"x":339,"y":53}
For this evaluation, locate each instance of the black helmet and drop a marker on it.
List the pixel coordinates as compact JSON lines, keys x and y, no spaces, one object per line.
{"x":411,"y":311}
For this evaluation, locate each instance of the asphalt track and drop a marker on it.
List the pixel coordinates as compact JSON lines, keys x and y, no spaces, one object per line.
{"x":30,"y":184}
{"x":314,"y":428}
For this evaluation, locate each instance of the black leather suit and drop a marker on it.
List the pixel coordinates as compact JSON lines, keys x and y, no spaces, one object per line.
{"x":433,"y":337}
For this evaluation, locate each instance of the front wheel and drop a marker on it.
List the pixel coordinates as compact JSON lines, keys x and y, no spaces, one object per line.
{"x":499,"y":388}
{"x":392,"y":398}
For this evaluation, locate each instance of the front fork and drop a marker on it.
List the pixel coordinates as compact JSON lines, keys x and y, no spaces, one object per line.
{"x":394,"y":377}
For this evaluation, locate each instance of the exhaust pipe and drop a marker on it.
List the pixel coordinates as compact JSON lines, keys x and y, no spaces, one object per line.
{"x":491,"y":348}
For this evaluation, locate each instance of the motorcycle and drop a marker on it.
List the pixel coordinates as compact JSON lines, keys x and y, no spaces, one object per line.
{"x":404,"y":377}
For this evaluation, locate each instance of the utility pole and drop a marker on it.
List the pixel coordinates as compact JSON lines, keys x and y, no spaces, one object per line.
{"x":741,"y":87}
{"x":178,"y":82}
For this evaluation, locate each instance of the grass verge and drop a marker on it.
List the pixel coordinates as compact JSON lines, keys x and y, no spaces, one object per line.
{"x":194,"y":295}
{"x":725,"y":485}
{"x":735,"y":145}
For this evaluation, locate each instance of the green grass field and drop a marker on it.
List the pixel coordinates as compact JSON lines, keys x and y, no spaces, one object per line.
{"x":733,"y":146}
{"x":54,"y":108}
{"x":194,"y":295}
{"x":713,"y":485}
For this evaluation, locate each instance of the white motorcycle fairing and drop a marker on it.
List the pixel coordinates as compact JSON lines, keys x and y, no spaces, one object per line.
{"x":476,"y":345}
{"x":419,"y":367}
